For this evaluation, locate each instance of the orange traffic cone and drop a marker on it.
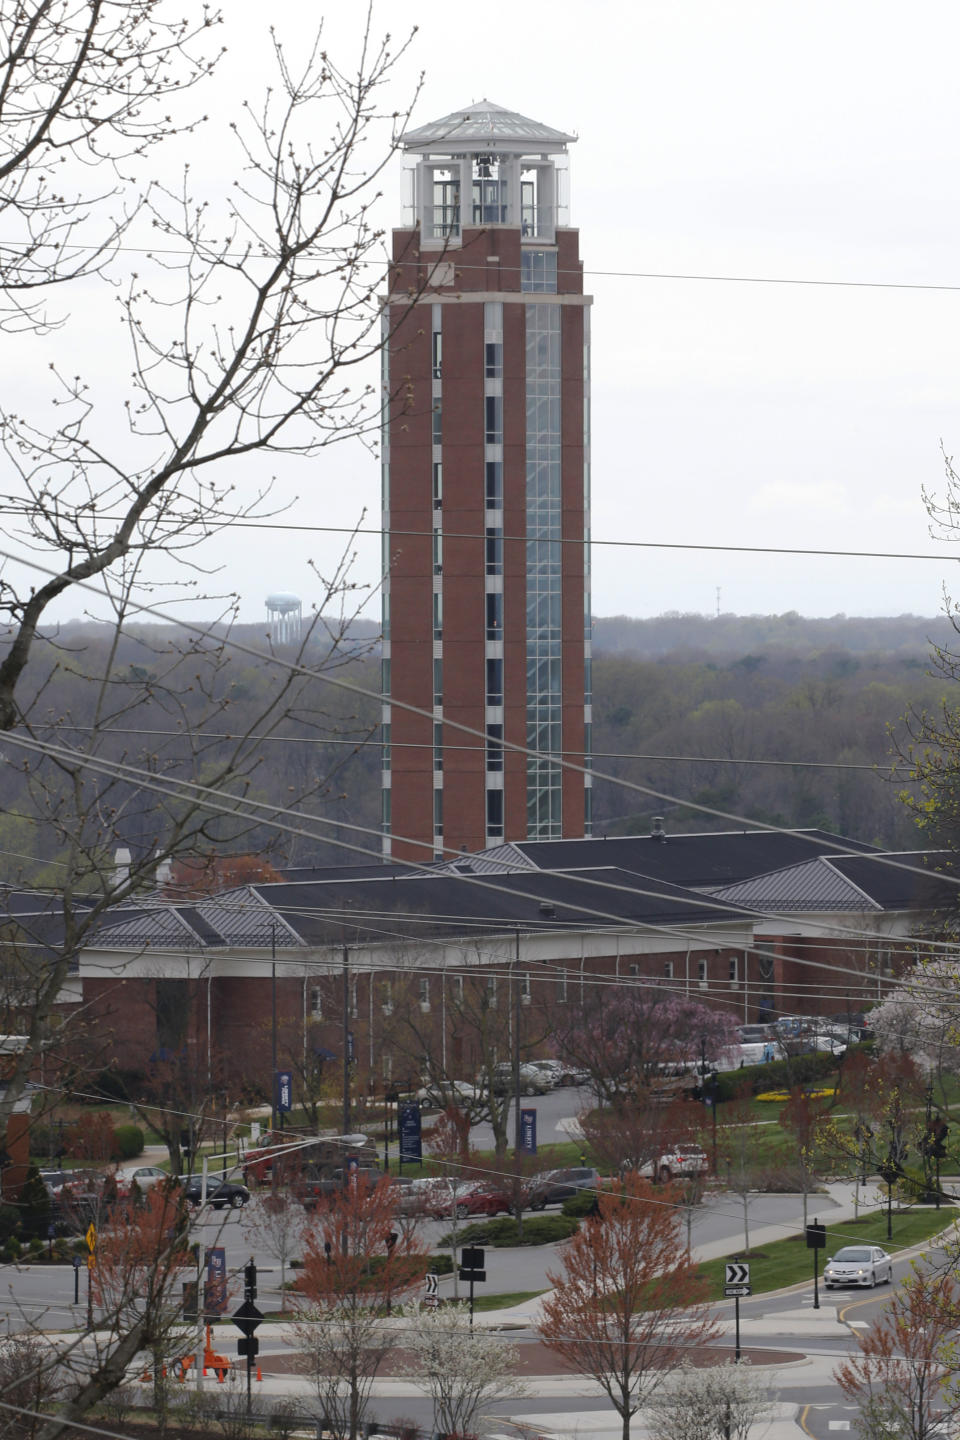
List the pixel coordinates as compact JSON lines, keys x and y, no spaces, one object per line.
{"x":259,"y":1375}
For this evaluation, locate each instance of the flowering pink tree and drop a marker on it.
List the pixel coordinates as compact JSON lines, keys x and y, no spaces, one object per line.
{"x":626,"y":1035}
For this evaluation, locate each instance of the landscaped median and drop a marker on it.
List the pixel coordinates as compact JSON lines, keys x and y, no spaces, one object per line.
{"x":788,"y":1262}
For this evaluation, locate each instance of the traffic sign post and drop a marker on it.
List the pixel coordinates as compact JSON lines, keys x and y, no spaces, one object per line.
{"x":471,"y":1269}
{"x":247,"y":1319}
{"x":91,"y":1239}
{"x":737,"y":1285}
{"x":816,"y":1241}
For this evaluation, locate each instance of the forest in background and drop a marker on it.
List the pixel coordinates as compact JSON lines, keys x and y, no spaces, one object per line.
{"x":689,"y":706}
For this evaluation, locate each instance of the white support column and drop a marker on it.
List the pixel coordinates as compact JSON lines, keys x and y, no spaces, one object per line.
{"x":466,"y":191}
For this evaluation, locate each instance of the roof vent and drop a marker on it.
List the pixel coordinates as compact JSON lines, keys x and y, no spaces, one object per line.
{"x":657,"y":831}
{"x":546,"y":908}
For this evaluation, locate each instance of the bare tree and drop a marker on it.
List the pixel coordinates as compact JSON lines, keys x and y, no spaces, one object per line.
{"x":83,"y":90}
{"x":277,"y":1224}
{"x":245,"y":310}
{"x":242,"y":335}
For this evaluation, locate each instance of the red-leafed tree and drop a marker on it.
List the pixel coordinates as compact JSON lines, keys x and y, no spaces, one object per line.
{"x":355,"y":1264}
{"x":141,"y":1259}
{"x":904,"y":1380}
{"x":629,"y":1305}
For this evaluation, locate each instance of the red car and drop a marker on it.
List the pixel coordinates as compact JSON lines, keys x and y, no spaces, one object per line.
{"x":445,"y":1199}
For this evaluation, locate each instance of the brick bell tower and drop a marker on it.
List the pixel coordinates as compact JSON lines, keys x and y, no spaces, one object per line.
{"x":486,"y":493}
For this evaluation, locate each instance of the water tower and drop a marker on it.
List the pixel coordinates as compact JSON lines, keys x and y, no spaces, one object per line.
{"x":285,"y":613}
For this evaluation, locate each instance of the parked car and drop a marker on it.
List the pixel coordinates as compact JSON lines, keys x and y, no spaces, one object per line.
{"x":145,"y":1177}
{"x":552,"y":1187}
{"x":440,"y":1095}
{"x":220,"y":1193}
{"x":677,"y":1162}
{"x":444,"y":1199}
{"x":532,"y":1081}
{"x":858,"y":1265}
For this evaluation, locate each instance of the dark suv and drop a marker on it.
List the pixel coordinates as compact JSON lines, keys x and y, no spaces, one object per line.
{"x":555,"y":1186}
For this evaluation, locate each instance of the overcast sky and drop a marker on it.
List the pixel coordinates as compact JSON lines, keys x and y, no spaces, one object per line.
{"x":759,"y":140}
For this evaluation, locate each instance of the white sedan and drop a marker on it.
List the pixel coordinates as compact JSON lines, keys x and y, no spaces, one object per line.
{"x":145,"y":1177}
{"x":858,"y":1265}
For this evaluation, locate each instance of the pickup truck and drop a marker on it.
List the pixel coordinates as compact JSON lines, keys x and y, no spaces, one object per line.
{"x":317,"y":1188}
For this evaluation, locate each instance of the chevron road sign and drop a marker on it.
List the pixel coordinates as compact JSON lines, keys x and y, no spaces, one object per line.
{"x":737,"y":1273}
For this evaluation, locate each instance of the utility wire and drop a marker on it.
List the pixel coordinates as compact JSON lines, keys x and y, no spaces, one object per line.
{"x":228,"y":522}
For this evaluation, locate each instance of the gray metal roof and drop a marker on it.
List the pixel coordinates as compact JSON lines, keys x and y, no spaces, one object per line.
{"x":485,"y":124}
{"x":892,"y":881}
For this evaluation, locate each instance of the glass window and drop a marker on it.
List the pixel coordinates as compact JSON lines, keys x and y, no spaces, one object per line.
{"x":495,"y":614}
{"x":436,"y":364}
{"x":438,"y":552}
{"x":437,"y":681}
{"x":492,"y":989}
{"x":494,"y":550}
{"x":525,"y":987}
{"x":385,"y":747}
{"x":438,"y":745}
{"x":668,"y":969}
{"x":493,"y":420}
{"x":316,"y":1003}
{"x":385,"y":677}
{"x":562,"y":990}
{"x":494,"y":812}
{"x":437,"y":423}
{"x":385,"y":810}
{"x":438,"y":811}
{"x":495,"y":747}
{"x":437,"y":484}
{"x":494,"y":682}
{"x":702,"y":971}
{"x":437,"y":615}
{"x":493,"y":360}
{"x":424,"y":992}
{"x":538,"y":271}
{"x":494,"y":484}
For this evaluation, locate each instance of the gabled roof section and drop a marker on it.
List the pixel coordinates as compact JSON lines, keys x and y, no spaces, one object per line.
{"x":160,"y":926}
{"x":694,"y":861}
{"x":815,"y":885}
{"x":485,"y":124}
{"x":906,"y":880}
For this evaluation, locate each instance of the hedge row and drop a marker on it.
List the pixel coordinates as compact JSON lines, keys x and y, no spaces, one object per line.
{"x":778,"y":1074}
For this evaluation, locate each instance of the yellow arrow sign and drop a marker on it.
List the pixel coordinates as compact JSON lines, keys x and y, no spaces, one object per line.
{"x":91,"y":1238}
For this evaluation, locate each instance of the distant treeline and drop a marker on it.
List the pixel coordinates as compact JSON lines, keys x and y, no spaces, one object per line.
{"x":733,"y":636}
{"x":697,"y":709}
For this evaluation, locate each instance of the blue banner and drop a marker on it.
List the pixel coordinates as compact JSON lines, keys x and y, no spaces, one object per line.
{"x":528,"y":1132}
{"x":215,"y":1290}
{"x":408,"y":1125}
{"x":284,"y":1084}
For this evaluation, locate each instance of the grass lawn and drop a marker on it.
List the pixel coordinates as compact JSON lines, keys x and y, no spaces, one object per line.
{"x":785,"y":1262}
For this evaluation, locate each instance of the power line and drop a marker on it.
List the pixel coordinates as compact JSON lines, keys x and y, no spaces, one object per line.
{"x":422,"y":260}
{"x":228,"y":522}
{"x":369,"y":740}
